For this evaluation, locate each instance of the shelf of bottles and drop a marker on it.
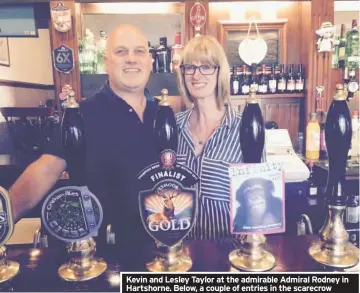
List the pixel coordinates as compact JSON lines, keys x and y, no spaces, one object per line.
{"x":268,"y":80}
{"x":346,"y":57}
{"x":92,"y":52}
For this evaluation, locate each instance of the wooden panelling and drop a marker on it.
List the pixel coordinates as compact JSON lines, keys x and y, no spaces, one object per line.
{"x":69,"y":39}
{"x":284,"y":111}
{"x":319,"y":64}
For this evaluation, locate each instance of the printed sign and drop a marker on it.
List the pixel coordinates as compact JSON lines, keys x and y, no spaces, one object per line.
{"x":63,"y":57}
{"x":72,"y":213}
{"x":168,"y":209}
{"x":61,"y":17}
{"x":6,"y":220}
{"x":257,"y":198}
{"x":198,"y":16}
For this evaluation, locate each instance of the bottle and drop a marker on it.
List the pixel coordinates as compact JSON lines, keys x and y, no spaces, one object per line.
{"x":235,"y":82}
{"x":73,"y":140}
{"x":152,"y":51}
{"x":272,"y":80}
{"x":313,"y":190}
{"x":176,"y":52}
{"x":165,"y":125}
{"x":313,"y":138}
{"x":353,"y":85}
{"x":335,"y":54}
{"x":88,"y":53}
{"x":290,"y":83}
{"x":353,"y":46}
{"x":245,"y":81}
{"x":163,"y":57}
{"x":346,"y":79}
{"x":252,"y":130}
{"x":323,"y":152}
{"x":300,"y":79}
{"x":352,"y":219}
{"x":281,"y":80}
{"x":342,"y":47}
{"x":263,"y":83}
{"x":254,"y":81}
{"x":100,"y":53}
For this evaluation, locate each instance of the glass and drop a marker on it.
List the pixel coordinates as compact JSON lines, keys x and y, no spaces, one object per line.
{"x":204,"y":69}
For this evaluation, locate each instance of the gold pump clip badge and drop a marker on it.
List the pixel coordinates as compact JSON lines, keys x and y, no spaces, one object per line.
{"x":61,"y":17}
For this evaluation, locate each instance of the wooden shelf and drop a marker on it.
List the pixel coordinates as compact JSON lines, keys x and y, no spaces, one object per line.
{"x":271,"y":96}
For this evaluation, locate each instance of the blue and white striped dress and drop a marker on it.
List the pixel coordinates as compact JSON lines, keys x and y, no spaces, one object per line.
{"x":212,"y":167}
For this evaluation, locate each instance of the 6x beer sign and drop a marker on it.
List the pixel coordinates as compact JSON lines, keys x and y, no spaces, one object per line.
{"x":63,"y":57}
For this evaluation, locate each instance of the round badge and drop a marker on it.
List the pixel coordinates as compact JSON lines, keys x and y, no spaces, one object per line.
{"x":72,"y":213}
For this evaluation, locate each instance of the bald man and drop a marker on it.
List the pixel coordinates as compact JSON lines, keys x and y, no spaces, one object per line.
{"x":119,"y":138}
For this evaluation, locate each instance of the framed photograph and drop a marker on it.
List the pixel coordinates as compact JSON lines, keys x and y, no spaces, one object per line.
{"x":232,"y":33}
{"x":4,"y":52}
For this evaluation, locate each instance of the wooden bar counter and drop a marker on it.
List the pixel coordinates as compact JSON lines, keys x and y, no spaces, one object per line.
{"x":39,"y":274}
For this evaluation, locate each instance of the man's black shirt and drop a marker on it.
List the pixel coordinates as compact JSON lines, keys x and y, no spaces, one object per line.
{"x":118,"y":147}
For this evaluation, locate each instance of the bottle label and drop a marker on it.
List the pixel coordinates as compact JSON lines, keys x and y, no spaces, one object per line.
{"x":291,"y":85}
{"x":255,"y":86}
{"x":299,"y":86}
{"x":176,"y":61}
{"x":352,"y":215}
{"x":245,"y":89}
{"x":272,"y":85}
{"x":313,"y":191}
{"x":263,"y":88}
{"x":342,"y":53}
{"x":353,"y":86}
{"x":162,"y":60}
{"x":313,"y":142}
{"x":235,"y":85}
{"x":281,"y":85}
{"x":322,"y":140}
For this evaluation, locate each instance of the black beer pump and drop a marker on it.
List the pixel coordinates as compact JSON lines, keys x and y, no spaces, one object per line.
{"x":72,"y":213}
{"x":252,"y":256}
{"x":334,"y":249}
{"x":165,"y":125}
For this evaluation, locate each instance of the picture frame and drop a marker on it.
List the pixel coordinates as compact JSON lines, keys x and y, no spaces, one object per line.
{"x":4,"y":52}
{"x":231,"y":33}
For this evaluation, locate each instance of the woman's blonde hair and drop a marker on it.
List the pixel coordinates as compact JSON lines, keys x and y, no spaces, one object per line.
{"x":206,"y":50}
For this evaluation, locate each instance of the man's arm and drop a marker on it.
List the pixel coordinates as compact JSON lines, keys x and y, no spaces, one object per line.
{"x":34,"y":183}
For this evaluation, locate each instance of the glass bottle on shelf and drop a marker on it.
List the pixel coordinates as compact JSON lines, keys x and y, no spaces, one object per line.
{"x":88,"y":54}
{"x":163,"y":57}
{"x":254,"y":80}
{"x":323,"y":151}
{"x":352,"y":217}
{"x":313,"y":190}
{"x":312,"y":149}
{"x":300,"y":79}
{"x":342,"y":48}
{"x":100,"y":53}
{"x":152,"y":51}
{"x":263,"y":83}
{"x":234,"y":83}
{"x":176,"y":51}
{"x":353,"y":46}
{"x":290,"y":84}
{"x":353,"y":84}
{"x":281,"y":80}
{"x":245,"y":81}
{"x":335,"y":54}
{"x":272,"y":80}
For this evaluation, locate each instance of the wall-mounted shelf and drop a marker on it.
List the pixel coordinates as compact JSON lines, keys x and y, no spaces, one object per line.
{"x":272,"y":96}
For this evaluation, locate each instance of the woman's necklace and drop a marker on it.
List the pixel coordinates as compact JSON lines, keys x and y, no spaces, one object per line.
{"x":200,"y":140}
